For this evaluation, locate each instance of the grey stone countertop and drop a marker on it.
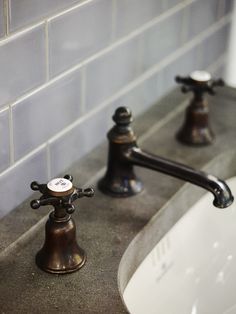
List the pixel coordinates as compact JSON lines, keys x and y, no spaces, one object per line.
{"x":106,"y":227}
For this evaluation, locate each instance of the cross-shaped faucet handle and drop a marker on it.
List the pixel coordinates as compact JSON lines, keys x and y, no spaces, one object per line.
{"x":59,"y":192}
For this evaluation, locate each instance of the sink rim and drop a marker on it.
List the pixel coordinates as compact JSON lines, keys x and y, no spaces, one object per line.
{"x":193,"y":264}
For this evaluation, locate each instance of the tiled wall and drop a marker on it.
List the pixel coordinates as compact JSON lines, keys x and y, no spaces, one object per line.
{"x":65,"y":65}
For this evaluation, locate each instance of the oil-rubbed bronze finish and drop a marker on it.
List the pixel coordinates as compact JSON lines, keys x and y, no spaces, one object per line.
{"x":120,"y":179}
{"x":196,"y":129}
{"x":60,"y":253}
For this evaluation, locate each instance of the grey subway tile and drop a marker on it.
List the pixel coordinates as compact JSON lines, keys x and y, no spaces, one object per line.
{"x":2,"y":30}
{"x":112,"y":71}
{"x":183,"y":66}
{"x":22,"y":63}
{"x":219,"y":71}
{"x":142,"y":96}
{"x":43,"y":114}
{"x":168,"y":4}
{"x":79,"y":34}
{"x":228,"y":6}
{"x":201,"y":15}
{"x":25,"y":12}
{"x":73,"y":145}
{"x":162,"y":39}
{"x":4,"y":139}
{"x":215,"y":46}
{"x":131,"y":14}
{"x":17,"y":180}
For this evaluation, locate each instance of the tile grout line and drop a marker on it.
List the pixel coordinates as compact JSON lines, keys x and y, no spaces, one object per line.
{"x":98,"y":54}
{"x":48,"y":153}
{"x":101,"y":53}
{"x":6,"y":13}
{"x":13,"y":36}
{"x":146,"y":75}
{"x":47,"y":51}
{"x":44,"y":18}
{"x":114,"y":21}
{"x":23,"y":159}
{"x":184,"y":35}
{"x":12,"y":150}
{"x":68,"y":10}
{"x":83,"y":90}
{"x":84,"y":3}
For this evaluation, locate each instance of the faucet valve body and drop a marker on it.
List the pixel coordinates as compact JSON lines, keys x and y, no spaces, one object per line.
{"x":120,"y":179}
{"x":60,"y":253}
{"x":196,"y":129}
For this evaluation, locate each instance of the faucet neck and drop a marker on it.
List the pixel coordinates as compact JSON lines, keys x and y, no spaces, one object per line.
{"x":121,"y":135}
{"x":120,"y":179}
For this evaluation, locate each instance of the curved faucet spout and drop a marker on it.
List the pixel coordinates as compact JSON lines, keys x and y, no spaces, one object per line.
{"x":120,"y":179}
{"x":222,"y":194}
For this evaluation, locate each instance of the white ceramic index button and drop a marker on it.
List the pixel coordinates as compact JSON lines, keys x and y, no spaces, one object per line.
{"x":59,"y":185}
{"x":200,"y":76}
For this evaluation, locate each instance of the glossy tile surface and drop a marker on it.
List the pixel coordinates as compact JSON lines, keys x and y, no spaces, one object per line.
{"x":142,"y":96}
{"x":112,"y":71}
{"x":168,"y":4}
{"x":25,"y":12}
{"x":22,"y":64}
{"x":4,"y":139}
{"x":131,"y":14}
{"x":45,"y":113}
{"x":15,"y":183}
{"x":2,"y":31}
{"x":215,"y":46}
{"x":79,"y":34}
{"x":228,"y":6}
{"x":78,"y":141}
{"x":162,"y":39}
{"x":182,"y":66}
{"x":201,"y":14}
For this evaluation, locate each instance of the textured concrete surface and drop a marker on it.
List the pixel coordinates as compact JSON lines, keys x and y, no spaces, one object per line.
{"x":106,"y":226}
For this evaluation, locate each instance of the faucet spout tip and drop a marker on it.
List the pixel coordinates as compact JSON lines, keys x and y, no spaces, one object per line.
{"x":224,"y":204}
{"x":223,"y":195}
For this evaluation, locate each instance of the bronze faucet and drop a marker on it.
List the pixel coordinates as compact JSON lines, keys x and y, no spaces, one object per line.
{"x":196,"y":129}
{"x":60,"y":253}
{"x":120,"y":179}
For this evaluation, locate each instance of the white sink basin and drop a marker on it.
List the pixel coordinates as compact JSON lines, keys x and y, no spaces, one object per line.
{"x":192,"y":270}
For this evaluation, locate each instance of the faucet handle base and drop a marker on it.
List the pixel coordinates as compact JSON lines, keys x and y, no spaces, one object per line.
{"x":60,"y":253}
{"x":120,"y":187}
{"x":196,"y":129}
{"x":45,"y":265}
{"x":195,"y":136}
